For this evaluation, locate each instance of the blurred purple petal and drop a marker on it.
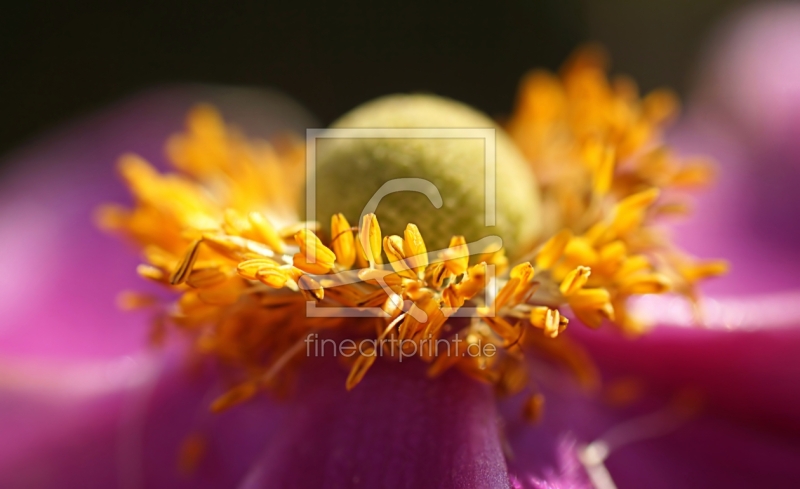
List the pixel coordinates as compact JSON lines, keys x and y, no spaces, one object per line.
{"x":732,"y":221}
{"x":123,"y":423}
{"x":75,"y":383}
{"x":746,"y":111}
{"x":656,"y":447}
{"x":743,"y":366}
{"x":60,"y":274}
{"x":751,"y":73}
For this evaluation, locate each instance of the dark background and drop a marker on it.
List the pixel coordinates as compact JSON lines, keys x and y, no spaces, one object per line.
{"x":59,"y":61}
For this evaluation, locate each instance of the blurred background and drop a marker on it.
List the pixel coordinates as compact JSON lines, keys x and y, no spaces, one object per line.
{"x":62,"y":60}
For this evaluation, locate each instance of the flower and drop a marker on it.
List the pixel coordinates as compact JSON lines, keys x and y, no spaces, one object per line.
{"x":397,"y":428}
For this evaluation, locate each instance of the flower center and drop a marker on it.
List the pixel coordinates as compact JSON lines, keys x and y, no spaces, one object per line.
{"x":258,"y":290}
{"x":450,"y":170}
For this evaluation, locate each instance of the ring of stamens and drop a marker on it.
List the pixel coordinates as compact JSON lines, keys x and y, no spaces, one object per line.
{"x":221,"y":234}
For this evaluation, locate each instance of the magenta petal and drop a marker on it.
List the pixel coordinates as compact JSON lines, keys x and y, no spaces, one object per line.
{"x":710,"y":450}
{"x":60,"y":274}
{"x":745,"y":435}
{"x":127,"y":431}
{"x":61,"y":420}
{"x":232,"y":440}
{"x":748,"y":373}
{"x":62,"y":406}
{"x":751,"y":76}
{"x":744,"y":366}
{"x":397,"y":429}
{"x":732,"y":220}
{"x":746,"y":113}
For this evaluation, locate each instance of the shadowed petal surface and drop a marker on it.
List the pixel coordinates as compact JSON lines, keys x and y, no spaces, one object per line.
{"x":396,"y":429}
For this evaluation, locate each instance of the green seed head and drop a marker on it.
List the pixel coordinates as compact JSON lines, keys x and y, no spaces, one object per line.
{"x":350,"y":171}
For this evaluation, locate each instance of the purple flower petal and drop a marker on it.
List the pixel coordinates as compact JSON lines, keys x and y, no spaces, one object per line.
{"x":124,"y":423}
{"x":72,"y":366}
{"x":751,"y":74}
{"x":746,"y":111}
{"x":60,"y":274}
{"x":731,"y":220}
{"x":396,"y":429}
{"x":652,"y":445}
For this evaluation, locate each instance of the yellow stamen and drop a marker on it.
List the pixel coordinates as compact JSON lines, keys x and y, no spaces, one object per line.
{"x":130,"y":301}
{"x":457,"y":255}
{"x":184,"y":268}
{"x":647,"y":283}
{"x":475,"y":282}
{"x":313,"y":250}
{"x":264,"y":232}
{"x":533,"y":408}
{"x":234,"y":396}
{"x":193,"y":449}
{"x":370,"y":238}
{"x":553,"y":249}
{"x":414,"y":248}
{"x":575,"y":280}
{"x":360,"y":367}
{"x":549,"y":320}
{"x":695,"y":272}
{"x":152,"y":273}
{"x":343,"y":241}
{"x":206,"y":277}
{"x":249,"y":268}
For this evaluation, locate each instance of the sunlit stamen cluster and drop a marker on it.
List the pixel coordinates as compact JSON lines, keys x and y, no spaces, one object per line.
{"x":606,"y":176}
{"x":221,"y":233}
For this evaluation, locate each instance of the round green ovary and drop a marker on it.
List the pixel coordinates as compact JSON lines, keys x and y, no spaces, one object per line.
{"x":349,"y":171}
